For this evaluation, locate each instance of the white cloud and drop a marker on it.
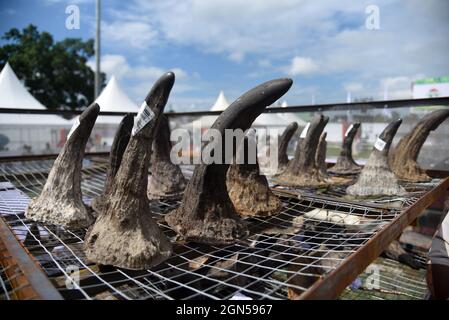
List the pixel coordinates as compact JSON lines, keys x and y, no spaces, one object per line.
{"x":264,"y":63}
{"x":140,"y":78}
{"x":397,"y":87}
{"x":52,"y":2}
{"x":302,"y":65}
{"x":332,"y":32}
{"x":138,"y":35}
{"x":353,"y":86}
{"x":9,"y":11}
{"x":324,"y":37}
{"x":237,"y":56}
{"x":252,"y":26}
{"x":112,"y":64}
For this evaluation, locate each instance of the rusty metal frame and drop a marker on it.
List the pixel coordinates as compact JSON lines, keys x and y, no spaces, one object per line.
{"x":333,"y":284}
{"x":30,"y":281}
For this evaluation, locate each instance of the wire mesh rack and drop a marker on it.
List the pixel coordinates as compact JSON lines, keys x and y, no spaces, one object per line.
{"x":387,"y":279}
{"x":337,"y":185}
{"x":284,"y":256}
{"x":13,"y":284}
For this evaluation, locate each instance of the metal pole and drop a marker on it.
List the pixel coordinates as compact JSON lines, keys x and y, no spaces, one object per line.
{"x":97,"y":50}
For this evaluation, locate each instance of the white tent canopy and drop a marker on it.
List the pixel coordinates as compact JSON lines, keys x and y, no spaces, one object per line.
{"x":13,"y":94}
{"x":114,"y":99}
{"x":290,"y":116}
{"x":270,"y":120}
{"x":279,"y":120}
{"x":221,"y":103}
{"x":207,"y":121}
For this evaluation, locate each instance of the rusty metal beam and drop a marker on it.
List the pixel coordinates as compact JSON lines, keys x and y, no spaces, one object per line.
{"x":333,"y":284}
{"x":28,"y":278}
{"x":46,"y":156}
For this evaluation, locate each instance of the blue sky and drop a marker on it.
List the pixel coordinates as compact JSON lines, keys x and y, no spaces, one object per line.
{"x":233,"y":45}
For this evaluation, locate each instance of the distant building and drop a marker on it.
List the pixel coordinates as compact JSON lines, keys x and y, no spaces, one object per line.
{"x":431,"y":88}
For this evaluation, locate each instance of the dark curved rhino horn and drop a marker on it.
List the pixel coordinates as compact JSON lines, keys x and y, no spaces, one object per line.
{"x":60,"y":201}
{"x":284,"y":140}
{"x":166,"y":180}
{"x":90,"y":114}
{"x":206,"y":213}
{"x":302,"y":170}
{"x":352,"y":132}
{"x":118,"y":147}
{"x":433,"y":120}
{"x":320,"y":156}
{"x":86,"y":123}
{"x":376,"y":178}
{"x":345,"y":163}
{"x":388,"y":134}
{"x":247,"y":188}
{"x":243,"y":111}
{"x":125,"y":234}
{"x":403,"y":158}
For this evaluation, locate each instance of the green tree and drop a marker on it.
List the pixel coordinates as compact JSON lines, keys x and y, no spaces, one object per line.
{"x":55,"y":73}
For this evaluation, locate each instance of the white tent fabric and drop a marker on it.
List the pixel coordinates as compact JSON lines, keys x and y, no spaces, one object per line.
{"x":207,"y":121}
{"x":114,"y":99}
{"x":13,"y":94}
{"x":270,"y":120}
{"x":27,"y":133}
{"x":278,"y":120}
{"x":221,"y":103}
{"x":290,"y":116}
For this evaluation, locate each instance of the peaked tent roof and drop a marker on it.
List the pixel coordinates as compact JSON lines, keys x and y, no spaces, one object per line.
{"x":221,"y":103}
{"x":207,"y":121}
{"x":114,"y":99}
{"x":13,"y":94}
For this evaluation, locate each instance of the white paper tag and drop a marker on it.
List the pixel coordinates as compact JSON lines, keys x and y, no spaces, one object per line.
{"x":304,"y":131}
{"x":75,"y":125}
{"x":144,"y":116}
{"x":380,"y":144}
{"x":349,"y":129}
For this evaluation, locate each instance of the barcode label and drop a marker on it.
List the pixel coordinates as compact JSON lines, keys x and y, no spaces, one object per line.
{"x":75,"y":125}
{"x":380,"y":144}
{"x":144,"y":116}
{"x":304,"y":131}
{"x":348,"y":130}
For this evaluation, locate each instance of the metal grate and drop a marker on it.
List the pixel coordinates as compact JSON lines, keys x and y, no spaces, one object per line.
{"x":387,"y":279}
{"x":13,"y":284}
{"x":282,"y":258}
{"x":336,"y":190}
